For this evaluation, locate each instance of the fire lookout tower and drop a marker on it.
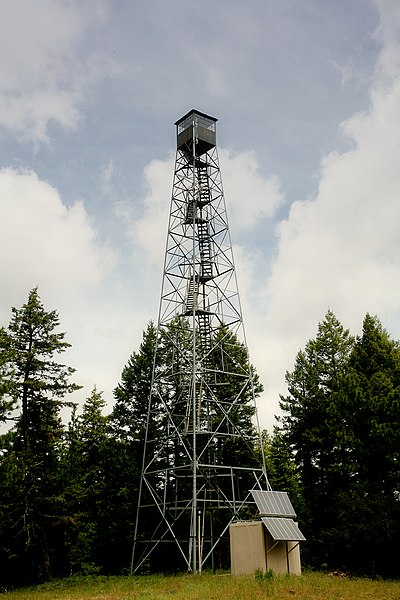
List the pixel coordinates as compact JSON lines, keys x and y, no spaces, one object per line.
{"x":199,"y":459}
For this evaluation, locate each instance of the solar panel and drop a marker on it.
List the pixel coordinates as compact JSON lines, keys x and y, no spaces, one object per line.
{"x":273,"y":503}
{"x":283,"y":529}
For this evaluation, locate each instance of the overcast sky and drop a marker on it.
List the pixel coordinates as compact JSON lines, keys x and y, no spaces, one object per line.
{"x":307,"y":96}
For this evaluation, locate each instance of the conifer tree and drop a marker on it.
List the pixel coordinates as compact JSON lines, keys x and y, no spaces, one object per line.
{"x":314,"y":427}
{"x":36,"y":387}
{"x":88,"y":492}
{"x":343,"y":425}
{"x":129,"y":415}
{"x":370,"y":506}
{"x":127,"y":430}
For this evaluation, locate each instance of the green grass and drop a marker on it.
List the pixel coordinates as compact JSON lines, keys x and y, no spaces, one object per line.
{"x":310,"y":586}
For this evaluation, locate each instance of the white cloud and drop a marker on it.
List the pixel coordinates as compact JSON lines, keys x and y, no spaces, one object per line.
{"x":341,"y":248}
{"x":251,"y":196}
{"x":41,"y":77}
{"x":45,"y":243}
{"x":149,"y":232}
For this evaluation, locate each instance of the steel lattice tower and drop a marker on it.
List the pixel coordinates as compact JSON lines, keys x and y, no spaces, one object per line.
{"x":201,"y":407}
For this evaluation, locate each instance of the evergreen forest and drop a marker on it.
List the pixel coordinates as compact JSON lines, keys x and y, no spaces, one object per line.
{"x":68,"y":490}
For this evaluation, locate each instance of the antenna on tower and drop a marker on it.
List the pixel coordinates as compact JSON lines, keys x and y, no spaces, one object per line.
{"x":200,"y":459}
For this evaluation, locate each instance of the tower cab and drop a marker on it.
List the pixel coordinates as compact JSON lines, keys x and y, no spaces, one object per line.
{"x":196,"y":133}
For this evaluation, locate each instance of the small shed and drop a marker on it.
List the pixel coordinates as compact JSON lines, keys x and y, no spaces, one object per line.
{"x":273,"y":542}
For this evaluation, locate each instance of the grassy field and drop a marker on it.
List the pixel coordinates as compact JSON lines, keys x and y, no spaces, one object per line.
{"x":310,"y":586}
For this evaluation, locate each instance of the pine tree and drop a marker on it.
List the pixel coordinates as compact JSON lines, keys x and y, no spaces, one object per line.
{"x":370,"y":508}
{"x":37,"y":386}
{"x":343,"y":424}
{"x":127,"y":436}
{"x":88,"y":493}
{"x":316,"y":430}
{"x":129,"y":415}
